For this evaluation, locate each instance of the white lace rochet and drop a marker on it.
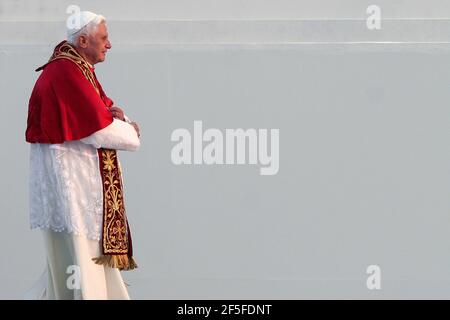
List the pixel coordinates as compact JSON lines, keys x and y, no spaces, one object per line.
{"x":65,"y":186}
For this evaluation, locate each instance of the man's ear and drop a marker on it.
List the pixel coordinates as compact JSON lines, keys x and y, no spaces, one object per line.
{"x":83,"y":41}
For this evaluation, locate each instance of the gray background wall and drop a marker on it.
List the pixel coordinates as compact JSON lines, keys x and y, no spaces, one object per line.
{"x":364,"y":158}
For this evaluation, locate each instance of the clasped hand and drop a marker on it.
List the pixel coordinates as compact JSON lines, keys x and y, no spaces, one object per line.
{"x":118,"y":114}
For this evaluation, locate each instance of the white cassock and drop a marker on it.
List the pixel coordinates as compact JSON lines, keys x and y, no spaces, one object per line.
{"x":66,"y":202}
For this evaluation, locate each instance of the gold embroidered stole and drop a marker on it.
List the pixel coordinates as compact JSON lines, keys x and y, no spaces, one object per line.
{"x":116,"y":242}
{"x":116,"y":237}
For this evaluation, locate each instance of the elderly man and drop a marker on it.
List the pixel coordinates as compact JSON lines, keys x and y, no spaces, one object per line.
{"x":76,"y":189}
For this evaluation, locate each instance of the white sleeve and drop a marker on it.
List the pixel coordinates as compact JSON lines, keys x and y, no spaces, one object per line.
{"x":119,"y":135}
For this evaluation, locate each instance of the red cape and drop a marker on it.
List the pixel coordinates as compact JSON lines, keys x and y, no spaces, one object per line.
{"x":65,"y":106}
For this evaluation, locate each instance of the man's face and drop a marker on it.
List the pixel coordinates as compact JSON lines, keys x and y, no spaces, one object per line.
{"x":97,"y":45}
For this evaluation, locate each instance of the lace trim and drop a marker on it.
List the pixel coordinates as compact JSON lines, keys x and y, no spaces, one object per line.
{"x":90,"y":235}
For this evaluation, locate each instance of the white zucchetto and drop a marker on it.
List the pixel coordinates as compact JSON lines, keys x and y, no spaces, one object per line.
{"x":79,"y":20}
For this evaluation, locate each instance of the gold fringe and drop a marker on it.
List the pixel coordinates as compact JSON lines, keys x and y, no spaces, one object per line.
{"x":120,"y":261}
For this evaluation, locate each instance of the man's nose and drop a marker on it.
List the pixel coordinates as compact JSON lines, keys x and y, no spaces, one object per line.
{"x":108,"y":45}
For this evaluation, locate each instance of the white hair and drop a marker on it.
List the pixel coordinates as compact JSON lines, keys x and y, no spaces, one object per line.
{"x":88,"y":29}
